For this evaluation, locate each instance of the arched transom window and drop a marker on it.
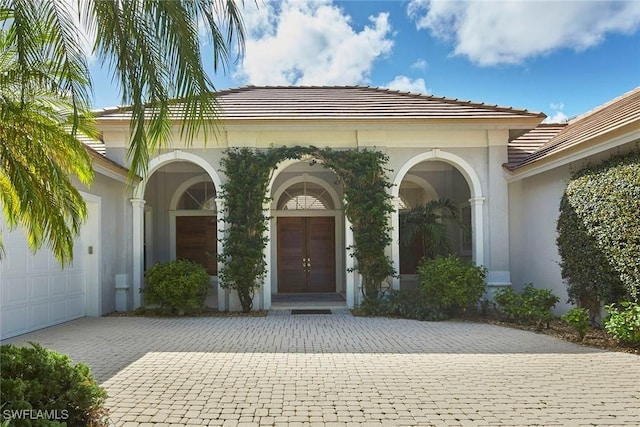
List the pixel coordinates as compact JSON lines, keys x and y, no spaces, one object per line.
{"x":200,"y":196}
{"x":305,"y":196}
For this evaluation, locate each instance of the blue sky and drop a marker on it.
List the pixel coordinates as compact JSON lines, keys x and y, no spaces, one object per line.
{"x":559,"y":57}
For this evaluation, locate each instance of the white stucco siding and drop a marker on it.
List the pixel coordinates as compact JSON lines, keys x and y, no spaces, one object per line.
{"x":115,"y":231}
{"x":534,"y":204}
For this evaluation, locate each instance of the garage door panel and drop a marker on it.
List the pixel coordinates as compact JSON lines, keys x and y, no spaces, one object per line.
{"x":75,"y":284}
{"x":75,"y":307}
{"x":58,"y":311}
{"x":17,"y":263}
{"x":58,"y":285}
{"x":41,"y":262}
{"x":14,"y":321}
{"x":39,"y":287}
{"x":39,"y":315}
{"x":15,"y":291}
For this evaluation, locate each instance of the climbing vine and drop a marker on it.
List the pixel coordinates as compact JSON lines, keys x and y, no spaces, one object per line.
{"x":367,"y":205}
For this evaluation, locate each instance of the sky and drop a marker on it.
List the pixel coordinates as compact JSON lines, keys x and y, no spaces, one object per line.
{"x":562,"y":58}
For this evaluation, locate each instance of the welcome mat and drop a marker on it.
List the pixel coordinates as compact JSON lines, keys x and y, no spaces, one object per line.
{"x":302,"y":311}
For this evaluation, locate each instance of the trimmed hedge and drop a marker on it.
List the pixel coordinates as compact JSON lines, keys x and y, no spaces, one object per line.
{"x":599,"y":233}
{"x":178,"y":286}
{"x":44,"y":383}
{"x":450,"y":285}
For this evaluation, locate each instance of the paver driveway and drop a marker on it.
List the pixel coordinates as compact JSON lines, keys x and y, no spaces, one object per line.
{"x":340,"y":370}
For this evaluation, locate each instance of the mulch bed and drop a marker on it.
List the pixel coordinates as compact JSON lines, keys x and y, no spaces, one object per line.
{"x":559,"y":329}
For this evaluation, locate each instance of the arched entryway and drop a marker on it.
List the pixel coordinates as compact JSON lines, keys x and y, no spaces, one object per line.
{"x":176,"y":215}
{"x":307,"y":236}
{"x":431,"y":176}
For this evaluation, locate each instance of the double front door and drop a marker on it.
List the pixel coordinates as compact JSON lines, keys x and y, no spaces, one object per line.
{"x":306,"y":254}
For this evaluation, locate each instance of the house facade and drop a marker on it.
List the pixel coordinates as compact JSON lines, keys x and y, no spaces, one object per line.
{"x":502,"y":167}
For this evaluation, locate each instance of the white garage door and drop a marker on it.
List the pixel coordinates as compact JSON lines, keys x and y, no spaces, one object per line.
{"x":36,"y":292}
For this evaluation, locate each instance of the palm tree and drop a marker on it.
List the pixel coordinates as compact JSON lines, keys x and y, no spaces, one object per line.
{"x":425,"y":226}
{"x":153,"y":48}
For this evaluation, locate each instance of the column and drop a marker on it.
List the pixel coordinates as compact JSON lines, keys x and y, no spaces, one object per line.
{"x":138,"y":249}
{"x":222,"y":293}
{"x":350,"y":286}
{"x":395,"y":241}
{"x":477,"y":224}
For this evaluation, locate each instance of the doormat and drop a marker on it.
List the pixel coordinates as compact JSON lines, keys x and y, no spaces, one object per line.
{"x":324,"y":311}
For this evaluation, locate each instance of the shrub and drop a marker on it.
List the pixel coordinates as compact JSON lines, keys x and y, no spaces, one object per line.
{"x":34,"y":378}
{"x":177,"y":286}
{"x":450,"y":285}
{"x":578,"y":319}
{"x":599,"y":233}
{"x":531,"y":306}
{"x":624,"y":323}
{"x":404,"y":303}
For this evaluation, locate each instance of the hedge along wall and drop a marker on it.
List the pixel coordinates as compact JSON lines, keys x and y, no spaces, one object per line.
{"x":367,"y":206}
{"x":599,"y":232}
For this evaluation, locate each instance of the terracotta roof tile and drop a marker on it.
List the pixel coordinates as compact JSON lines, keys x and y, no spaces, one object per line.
{"x":525,"y":145}
{"x":618,"y":114}
{"x":344,"y":102}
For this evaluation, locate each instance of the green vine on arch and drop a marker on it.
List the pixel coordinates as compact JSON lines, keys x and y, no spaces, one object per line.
{"x":367,"y":206}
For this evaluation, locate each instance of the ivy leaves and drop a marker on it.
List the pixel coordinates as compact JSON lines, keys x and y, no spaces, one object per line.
{"x":367,"y":206}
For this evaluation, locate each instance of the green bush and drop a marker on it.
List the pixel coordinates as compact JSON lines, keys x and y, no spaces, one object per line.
{"x":599,"y":233}
{"x":624,"y":323}
{"x":404,"y":303}
{"x":531,"y":306}
{"x":45,"y":382}
{"x":449,"y":286}
{"x":178,"y":286}
{"x":578,"y":319}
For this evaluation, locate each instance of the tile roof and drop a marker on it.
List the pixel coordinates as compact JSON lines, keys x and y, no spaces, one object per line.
{"x":344,"y":102}
{"x":621,"y":114}
{"x":523,"y":146}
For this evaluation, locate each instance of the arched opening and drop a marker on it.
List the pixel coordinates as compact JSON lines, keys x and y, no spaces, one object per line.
{"x":307,"y":231}
{"x":430,"y":217}
{"x":175,"y":216}
{"x":428,"y":189}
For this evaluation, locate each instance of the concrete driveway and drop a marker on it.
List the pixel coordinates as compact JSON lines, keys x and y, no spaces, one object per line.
{"x":339,"y":370}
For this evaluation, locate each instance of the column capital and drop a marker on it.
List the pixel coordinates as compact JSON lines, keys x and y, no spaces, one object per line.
{"x":477,"y":201}
{"x":138,"y":202}
{"x":396,"y":202}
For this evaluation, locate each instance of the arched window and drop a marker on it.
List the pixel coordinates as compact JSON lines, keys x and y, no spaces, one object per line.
{"x":305,"y":196}
{"x":200,"y":196}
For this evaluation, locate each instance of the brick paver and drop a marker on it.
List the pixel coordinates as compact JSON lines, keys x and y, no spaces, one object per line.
{"x":337,"y":370}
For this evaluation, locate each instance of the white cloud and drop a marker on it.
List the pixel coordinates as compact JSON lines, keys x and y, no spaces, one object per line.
{"x":502,"y":32}
{"x":404,"y":83}
{"x":309,"y":43}
{"x":420,"y":64}
{"x":558,"y":115}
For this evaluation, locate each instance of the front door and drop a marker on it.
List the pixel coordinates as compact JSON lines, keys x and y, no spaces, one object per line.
{"x":196,"y":240}
{"x":306,"y":254}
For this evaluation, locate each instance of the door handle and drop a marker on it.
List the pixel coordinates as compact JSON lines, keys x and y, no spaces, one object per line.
{"x":306,"y":264}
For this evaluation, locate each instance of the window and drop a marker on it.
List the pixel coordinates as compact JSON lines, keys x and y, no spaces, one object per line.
{"x":200,"y":196}
{"x":305,"y":196}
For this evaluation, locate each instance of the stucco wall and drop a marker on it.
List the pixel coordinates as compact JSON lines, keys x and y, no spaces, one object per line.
{"x":534,"y":203}
{"x":115,"y":235}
